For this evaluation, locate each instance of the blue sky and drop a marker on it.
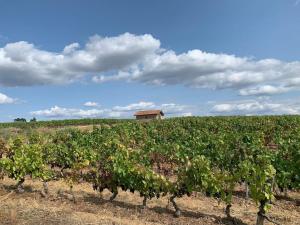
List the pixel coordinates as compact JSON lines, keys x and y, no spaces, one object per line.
{"x":74,"y":59}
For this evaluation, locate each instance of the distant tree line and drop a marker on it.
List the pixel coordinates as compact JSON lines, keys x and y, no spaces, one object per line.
{"x":24,"y":120}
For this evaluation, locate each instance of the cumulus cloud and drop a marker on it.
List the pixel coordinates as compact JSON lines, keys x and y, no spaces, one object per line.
{"x":58,"y":112}
{"x":140,"y":58}
{"x":172,"y":108}
{"x":135,"y":106}
{"x":264,"y":90}
{"x":70,"y":48}
{"x":167,"y":108}
{"x":215,"y":71}
{"x":91,"y":104}
{"x":4,"y":99}
{"x":256,"y":107}
{"x":116,"y":111}
{"x":23,"y":64}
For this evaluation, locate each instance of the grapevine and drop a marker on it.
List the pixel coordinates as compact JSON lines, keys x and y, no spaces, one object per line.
{"x":173,"y":158}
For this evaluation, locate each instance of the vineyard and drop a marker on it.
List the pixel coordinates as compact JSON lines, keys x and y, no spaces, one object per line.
{"x":59,"y":123}
{"x":174,"y":158}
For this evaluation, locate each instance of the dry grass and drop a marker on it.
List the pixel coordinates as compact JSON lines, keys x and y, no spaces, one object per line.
{"x":80,"y":127}
{"x":30,"y":208}
{"x":6,"y":133}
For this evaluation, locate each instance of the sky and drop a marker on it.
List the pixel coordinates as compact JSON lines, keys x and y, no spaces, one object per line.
{"x":107,"y":59}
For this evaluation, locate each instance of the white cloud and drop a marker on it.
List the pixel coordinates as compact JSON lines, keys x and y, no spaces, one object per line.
{"x":71,"y":48}
{"x":216,"y":71}
{"x":199,"y":69}
{"x":135,"y":106}
{"x":116,"y":111}
{"x":256,"y":107}
{"x":186,"y":114}
{"x":264,"y":90}
{"x":61,"y":112}
{"x":4,"y":99}
{"x":221,"y":108}
{"x":140,"y":58}
{"x":91,"y":104}
{"x":172,"y":108}
{"x":114,"y":114}
{"x":23,"y":64}
{"x":167,"y":108}
{"x":58,"y":112}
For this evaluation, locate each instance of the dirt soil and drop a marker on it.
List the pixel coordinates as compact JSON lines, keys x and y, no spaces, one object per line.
{"x":91,"y":208}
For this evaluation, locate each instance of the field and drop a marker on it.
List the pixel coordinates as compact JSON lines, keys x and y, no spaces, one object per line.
{"x":91,"y":208}
{"x":210,"y":170}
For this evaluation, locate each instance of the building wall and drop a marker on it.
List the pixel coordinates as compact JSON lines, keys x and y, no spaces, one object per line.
{"x":148,"y":117}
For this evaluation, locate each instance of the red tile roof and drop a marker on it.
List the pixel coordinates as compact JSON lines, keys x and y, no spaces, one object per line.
{"x":149,"y":112}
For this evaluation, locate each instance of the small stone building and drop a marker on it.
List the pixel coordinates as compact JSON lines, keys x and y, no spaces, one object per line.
{"x":149,"y":115}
